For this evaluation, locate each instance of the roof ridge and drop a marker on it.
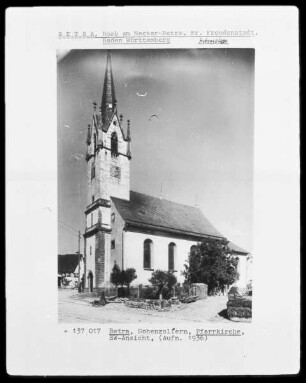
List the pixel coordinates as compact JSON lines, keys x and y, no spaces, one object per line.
{"x":164,"y":199}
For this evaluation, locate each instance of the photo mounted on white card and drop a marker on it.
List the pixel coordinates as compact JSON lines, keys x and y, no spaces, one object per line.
{"x":152,"y":191}
{"x":148,"y":141}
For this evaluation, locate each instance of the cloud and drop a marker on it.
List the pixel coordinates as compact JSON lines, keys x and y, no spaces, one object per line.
{"x":77,"y":156}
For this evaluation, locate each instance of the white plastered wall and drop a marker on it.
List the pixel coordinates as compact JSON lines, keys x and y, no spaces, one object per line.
{"x":133,"y":255}
{"x":242,"y":270}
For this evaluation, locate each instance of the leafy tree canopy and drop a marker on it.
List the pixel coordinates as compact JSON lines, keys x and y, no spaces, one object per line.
{"x":162,"y":280}
{"x":130,"y":275}
{"x":116,"y":276}
{"x":122,"y":277}
{"x":211,"y":262}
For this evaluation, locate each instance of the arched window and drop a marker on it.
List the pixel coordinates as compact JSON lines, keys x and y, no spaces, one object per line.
{"x":193,"y":249}
{"x":171,"y":256}
{"x":147,"y":254}
{"x":114,"y":144}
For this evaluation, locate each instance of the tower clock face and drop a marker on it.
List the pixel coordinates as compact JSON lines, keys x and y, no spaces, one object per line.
{"x":115,"y":171}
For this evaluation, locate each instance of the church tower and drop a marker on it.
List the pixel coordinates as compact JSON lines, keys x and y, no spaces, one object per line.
{"x":108,"y":175}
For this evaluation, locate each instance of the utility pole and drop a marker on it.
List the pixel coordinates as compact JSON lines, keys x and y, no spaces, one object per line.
{"x":79,"y":251}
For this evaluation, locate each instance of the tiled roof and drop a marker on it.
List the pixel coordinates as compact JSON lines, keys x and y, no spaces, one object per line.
{"x":236,"y":249}
{"x":146,"y":211}
{"x":67,"y":263}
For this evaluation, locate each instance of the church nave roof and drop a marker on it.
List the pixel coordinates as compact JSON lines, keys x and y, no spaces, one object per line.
{"x":146,"y":211}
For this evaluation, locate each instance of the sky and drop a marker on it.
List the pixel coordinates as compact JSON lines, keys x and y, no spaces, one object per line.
{"x":199,"y":147}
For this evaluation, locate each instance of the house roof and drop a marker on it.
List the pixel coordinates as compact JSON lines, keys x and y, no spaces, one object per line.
{"x":236,"y":249}
{"x":146,"y":211}
{"x":67,"y":263}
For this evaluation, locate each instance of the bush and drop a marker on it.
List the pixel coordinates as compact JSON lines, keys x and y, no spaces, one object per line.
{"x":123,"y":278}
{"x":167,"y":293}
{"x":148,"y":293}
{"x":163,"y":281}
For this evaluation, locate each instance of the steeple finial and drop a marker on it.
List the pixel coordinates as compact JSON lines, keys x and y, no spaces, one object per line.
{"x":108,"y":96}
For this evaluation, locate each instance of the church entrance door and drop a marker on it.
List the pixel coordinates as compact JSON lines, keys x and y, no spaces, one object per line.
{"x":90,"y":281}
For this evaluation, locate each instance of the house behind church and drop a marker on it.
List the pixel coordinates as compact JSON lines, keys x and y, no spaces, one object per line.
{"x":69,"y":266}
{"x":127,"y":227}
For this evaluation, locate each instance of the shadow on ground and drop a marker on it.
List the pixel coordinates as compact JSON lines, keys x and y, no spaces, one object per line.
{"x":223,"y":314}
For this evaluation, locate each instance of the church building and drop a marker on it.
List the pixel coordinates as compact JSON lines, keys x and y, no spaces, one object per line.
{"x":127,"y":227}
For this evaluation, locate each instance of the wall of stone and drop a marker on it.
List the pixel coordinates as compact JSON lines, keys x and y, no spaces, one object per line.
{"x":104,"y":212}
{"x":103,"y":185}
{"x":120,"y":187}
{"x":102,"y":259}
{"x":103,"y":158}
{"x":90,"y":258}
{"x":99,"y":185}
{"x":116,"y":186}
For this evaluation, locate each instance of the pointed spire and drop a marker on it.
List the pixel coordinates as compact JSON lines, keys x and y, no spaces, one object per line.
{"x":128,"y":137}
{"x":108,"y":96}
{"x":94,"y":114}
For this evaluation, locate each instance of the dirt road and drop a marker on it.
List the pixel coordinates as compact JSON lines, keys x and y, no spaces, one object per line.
{"x":76,"y":308}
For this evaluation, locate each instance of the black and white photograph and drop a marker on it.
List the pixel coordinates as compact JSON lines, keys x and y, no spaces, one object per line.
{"x":152,"y":191}
{"x":155,"y":181}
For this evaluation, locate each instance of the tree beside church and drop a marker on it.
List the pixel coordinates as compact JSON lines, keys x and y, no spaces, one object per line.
{"x":212,"y":263}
